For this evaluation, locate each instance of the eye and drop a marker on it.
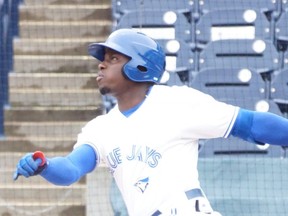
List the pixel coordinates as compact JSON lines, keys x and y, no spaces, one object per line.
{"x":114,"y":58}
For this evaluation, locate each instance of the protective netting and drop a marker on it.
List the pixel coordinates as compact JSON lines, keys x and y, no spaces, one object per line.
{"x":235,"y":50}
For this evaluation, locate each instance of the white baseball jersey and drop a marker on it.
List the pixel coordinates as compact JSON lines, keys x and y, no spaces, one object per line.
{"x":153,"y":153}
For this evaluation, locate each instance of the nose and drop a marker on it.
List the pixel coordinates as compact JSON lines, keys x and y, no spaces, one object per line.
{"x":101,"y":66}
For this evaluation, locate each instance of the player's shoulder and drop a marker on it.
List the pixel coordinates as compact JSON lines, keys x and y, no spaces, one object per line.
{"x":99,"y":119}
{"x":174,"y":90}
{"x":166,"y":88}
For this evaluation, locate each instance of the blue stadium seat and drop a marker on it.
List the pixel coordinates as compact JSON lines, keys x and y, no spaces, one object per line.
{"x":235,"y":147}
{"x":179,"y":56}
{"x":266,"y":6}
{"x":238,"y":86}
{"x":255,"y":54}
{"x":281,"y":28}
{"x":180,"y":61}
{"x":285,"y":60}
{"x":279,"y":90}
{"x":162,"y":24}
{"x":281,"y":37}
{"x":233,"y":86}
{"x":284,"y":5}
{"x":232,"y":24}
{"x":120,"y":7}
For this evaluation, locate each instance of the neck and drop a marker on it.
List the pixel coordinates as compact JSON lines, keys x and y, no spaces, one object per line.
{"x":132,"y":98}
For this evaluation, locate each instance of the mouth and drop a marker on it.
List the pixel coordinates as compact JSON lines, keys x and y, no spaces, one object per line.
{"x":99,"y":78}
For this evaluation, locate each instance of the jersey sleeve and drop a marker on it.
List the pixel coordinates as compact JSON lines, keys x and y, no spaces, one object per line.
{"x":88,"y":136}
{"x":204,"y":116}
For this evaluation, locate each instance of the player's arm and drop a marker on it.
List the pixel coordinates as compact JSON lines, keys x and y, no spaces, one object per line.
{"x":261,"y":128}
{"x":60,"y":170}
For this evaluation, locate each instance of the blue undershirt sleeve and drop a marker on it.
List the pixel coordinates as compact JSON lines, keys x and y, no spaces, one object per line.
{"x":261,"y":128}
{"x":69,"y":169}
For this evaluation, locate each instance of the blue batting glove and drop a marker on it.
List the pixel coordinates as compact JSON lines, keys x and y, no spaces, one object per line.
{"x":29,"y":165}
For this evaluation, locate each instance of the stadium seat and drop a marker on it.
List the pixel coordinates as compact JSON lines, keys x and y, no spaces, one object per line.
{"x":279,"y":90}
{"x":180,"y":61}
{"x":281,"y":28}
{"x":240,"y":87}
{"x":281,"y":33}
{"x":265,"y":6}
{"x":255,"y":54}
{"x":232,"y":24}
{"x":179,"y":56}
{"x":233,"y":146}
{"x":284,"y":5}
{"x":121,"y":7}
{"x":160,"y":24}
{"x":236,"y":147}
{"x":285,"y":60}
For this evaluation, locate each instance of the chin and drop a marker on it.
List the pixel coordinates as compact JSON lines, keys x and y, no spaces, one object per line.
{"x":104,"y":90}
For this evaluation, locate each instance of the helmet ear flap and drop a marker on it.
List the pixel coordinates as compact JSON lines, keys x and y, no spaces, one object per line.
{"x":127,"y":72}
{"x":124,"y":73}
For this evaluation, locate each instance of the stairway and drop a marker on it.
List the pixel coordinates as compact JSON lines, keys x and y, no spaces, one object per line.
{"x":52,"y":93}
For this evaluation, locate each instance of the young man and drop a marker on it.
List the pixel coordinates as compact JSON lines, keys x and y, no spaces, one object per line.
{"x":149,"y":139}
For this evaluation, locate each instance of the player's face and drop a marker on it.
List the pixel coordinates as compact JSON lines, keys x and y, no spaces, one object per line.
{"x":110,"y":78}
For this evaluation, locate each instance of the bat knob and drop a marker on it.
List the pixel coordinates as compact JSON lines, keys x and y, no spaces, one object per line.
{"x":39,"y":155}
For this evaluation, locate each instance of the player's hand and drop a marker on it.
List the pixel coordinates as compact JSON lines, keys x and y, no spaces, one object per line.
{"x":31,"y":164}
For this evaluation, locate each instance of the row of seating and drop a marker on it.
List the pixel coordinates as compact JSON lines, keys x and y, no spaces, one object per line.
{"x":121,"y":7}
{"x":234,"y":50}
{"x":208,"y":20}
{"x":203,"y":21}
{"x":258,"y":54}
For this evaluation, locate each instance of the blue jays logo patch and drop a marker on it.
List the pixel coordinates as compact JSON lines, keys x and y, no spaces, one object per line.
{"x":142,"y":184}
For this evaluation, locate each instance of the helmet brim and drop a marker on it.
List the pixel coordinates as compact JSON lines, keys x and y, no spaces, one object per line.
{"x":97,"y":50}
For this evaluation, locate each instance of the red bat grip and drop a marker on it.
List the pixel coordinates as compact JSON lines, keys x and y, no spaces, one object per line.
{"x":40,"y":155}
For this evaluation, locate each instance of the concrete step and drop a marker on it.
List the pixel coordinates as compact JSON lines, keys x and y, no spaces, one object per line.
{"x":43,"y":129}
{"x":67,"y":29}
{"x":54,"y":46}
{"x":54,"y":64}
{"x":44,"y":199}
{"x":51,"y":114}
{"x":54,"y":97}
{"x":53,"y":80}
{"x":66,"y":2}
{"x":57,"y":144}
{"x":66,"y":12}
{"x":42,"y":209}
{"x":47,"y":193}
{"x":32,"y":182}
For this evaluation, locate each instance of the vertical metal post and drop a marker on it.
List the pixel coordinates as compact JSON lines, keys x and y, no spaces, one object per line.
{"x":2,"y":69}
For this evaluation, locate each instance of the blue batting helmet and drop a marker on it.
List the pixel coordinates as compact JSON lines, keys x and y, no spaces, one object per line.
{"x":147,"y":58}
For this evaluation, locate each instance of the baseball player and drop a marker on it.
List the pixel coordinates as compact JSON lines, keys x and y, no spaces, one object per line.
{"x":149,"y":140}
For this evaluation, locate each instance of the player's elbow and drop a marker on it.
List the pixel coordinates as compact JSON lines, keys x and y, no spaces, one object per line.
{"x":73,"y":177}
{"x":60,"y":171}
